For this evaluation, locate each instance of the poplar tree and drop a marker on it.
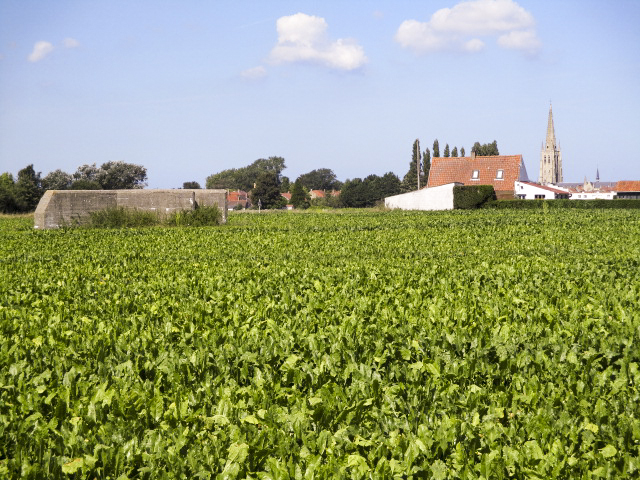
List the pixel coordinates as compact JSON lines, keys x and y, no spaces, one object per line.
{"x":436,"y":148}
{"x":454,"y":152}
{"x":446,"y":150}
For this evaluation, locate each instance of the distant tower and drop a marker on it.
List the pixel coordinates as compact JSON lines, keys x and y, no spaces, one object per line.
{"x":550,"y":156}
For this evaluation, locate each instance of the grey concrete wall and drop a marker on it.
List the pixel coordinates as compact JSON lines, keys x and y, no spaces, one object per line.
{"x":58,"y":208}
{"x":435,"y":198}
{"x":210,"y":197}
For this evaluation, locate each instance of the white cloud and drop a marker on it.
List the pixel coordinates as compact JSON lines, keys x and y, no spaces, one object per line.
{"x":71,"y":43}
{"x":302,"y":38}
{"x":40,"y":50}
{"x":254,"y":73}
{"x":458,"y":28}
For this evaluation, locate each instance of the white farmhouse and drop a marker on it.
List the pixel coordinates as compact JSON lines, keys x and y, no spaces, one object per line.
{"x":535,"y":191}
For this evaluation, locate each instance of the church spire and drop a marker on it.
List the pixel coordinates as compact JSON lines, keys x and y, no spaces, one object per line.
{"x":551,"y":133}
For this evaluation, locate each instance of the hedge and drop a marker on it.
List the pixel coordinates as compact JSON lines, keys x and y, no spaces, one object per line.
{"x":472,"y":196}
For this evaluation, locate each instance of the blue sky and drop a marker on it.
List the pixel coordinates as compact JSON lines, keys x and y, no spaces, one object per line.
{"x":190,"y":88}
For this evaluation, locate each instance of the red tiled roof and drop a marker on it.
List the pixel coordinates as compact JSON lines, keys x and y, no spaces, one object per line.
{"x":446,"y":170}
{"x":286,"y":195}
{"x":628,"y":186}
{"x":237,"y":196}
{"x":317,"y":193}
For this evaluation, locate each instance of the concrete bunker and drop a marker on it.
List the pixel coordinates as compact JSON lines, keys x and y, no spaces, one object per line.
{"x":58,"y":208}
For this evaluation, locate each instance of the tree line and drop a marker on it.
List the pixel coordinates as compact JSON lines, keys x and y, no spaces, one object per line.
{"x":23,"y":193}
{"x":263,"y":180}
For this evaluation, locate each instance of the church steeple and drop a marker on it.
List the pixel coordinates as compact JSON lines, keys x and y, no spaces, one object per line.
{"x":550,"y":156}
{"x":551,"y":133}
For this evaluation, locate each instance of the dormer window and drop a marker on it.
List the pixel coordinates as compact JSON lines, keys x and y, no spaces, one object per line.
{"x":475,"y":174}
{"x":500,"y":174}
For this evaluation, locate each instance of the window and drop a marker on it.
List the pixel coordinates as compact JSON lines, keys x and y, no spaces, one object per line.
{"x":499,"y":174}
{"x":540,"y":197}
{"x":475,"y":174}
{"x":521,"y":196}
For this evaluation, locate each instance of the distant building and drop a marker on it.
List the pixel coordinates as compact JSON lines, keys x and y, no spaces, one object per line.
{"x":550,"y":156}
{"x":499,"y":171}
{"x":535,"y":191}
{"x":628,"y":189}
{"x":238,"y":199}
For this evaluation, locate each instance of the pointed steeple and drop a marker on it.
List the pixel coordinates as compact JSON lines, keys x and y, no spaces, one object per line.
{"x":551,"y":133}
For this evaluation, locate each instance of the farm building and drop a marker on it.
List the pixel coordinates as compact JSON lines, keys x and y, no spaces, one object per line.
{"x":535,"y":191}
{"x":499,"y":171}
{"x":628,"y":189}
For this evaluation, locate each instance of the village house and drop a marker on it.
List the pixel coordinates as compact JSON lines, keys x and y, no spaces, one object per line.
{"x":238,"y":199}
{"x":499,"y":171}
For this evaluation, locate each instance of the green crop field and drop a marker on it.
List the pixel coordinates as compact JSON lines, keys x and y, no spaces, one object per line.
{"x":477,"y":344}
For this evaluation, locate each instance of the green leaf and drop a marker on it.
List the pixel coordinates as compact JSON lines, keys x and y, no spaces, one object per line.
{"x":73,"y":466}
{"x":608,"y":451}
{"x":439,"y":470}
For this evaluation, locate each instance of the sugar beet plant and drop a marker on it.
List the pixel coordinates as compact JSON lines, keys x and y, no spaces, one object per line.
{"x":477,"y":344}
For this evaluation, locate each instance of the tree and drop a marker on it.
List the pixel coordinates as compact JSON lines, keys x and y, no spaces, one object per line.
{"x":191,"y":186}
{"x":485,"y":150}
{"x":84,"y":184}
{"x":121,"y":175}
{"x":436,"y":148}
{"x":454,"y":152}
{"x":299,"y":197}
{"x":320,"y":179}
{"x":86,"y":172}
{"x":57,"y":180}
{"x":446,"y":150}
{"x":426,"y":165}
{"x":285,"y":185}
{"x":244,"y":178}
{"x":110,"y":176}
{"x":358,"y":193}
{"x":267,"y":191}
{"x":410,"y":180}
{"x":8,"y":203}
{"x":28,"y":189}
{"x":462,"y":151}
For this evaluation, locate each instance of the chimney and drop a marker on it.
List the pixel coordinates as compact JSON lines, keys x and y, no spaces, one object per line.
{"x":473,"y":155}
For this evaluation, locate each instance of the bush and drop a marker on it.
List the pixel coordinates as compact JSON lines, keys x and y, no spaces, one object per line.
{"x":119,"y":217}
{"x":472,"y":196}
{"x":200,"y":217}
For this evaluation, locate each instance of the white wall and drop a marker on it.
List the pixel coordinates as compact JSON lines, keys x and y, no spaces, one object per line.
{"x":436,"y":198}
{"x":530,"y":191}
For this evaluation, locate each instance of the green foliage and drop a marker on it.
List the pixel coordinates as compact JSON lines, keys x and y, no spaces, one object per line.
{"x":299,"y":196}
{"x":464,"y":344}
{"x":358,"y":193}
{"x":472,"y":196}
{"x":57,"y":180}
{"x":202,"y":216}
{"x":120,"y":217}
{"x":446,"y":151}
{"x":84,"y":184}
{"x":285,"y":185}
{"x":8,"y":202}
{"x":244,"y":178}
{"x":267,"y":192}
{"x":28,"y":189}
{"x":410,"y":180}
{"x":110,"y":176}
{"x":191,"y":185}
{"x":454,"y":152}
{"x":436,"y":148}
{"x":462,"y":152}
{"x":426,"y":165}
{"x":320,"y":179}
{"x":485,"y":150}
